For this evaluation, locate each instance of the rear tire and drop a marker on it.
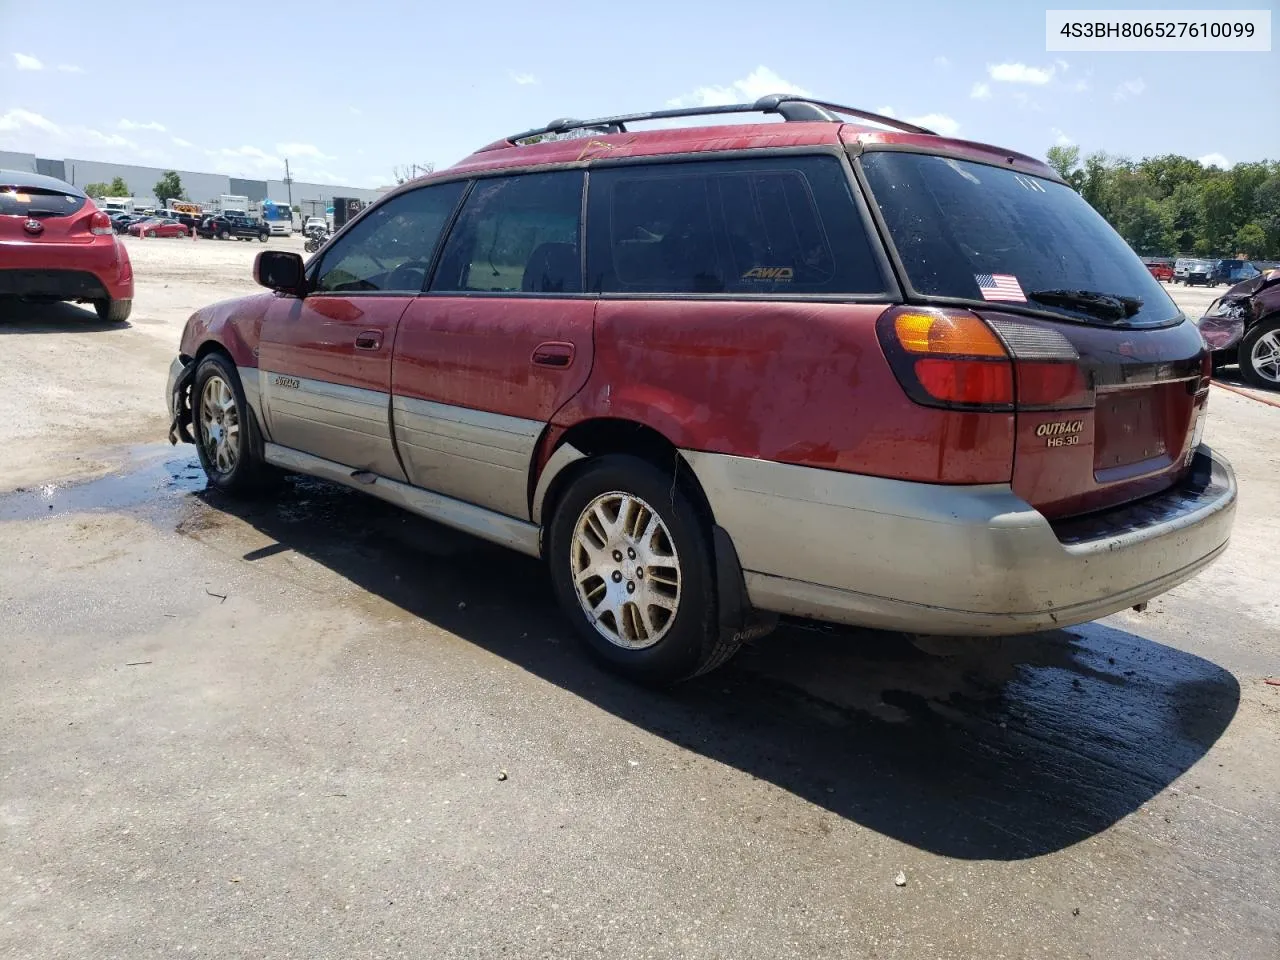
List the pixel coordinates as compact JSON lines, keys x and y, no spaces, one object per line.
{"x":1260,"y":355}
{"x":632,"y":566}
{"x":227,"y":438}
{"x":224,"y":235}
{"x":113,"y":311}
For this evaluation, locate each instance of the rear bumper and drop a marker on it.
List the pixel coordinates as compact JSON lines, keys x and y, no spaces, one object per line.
{"x":976,"y":560}
{"x":66,"y":271}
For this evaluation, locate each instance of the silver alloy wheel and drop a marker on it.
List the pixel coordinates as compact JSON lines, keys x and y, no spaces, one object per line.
{"x":1265,"y":356}
{"x":220,"y":425}
{"x":625,"y":570}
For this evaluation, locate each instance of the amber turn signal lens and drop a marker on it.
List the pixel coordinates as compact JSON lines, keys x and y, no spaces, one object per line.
{"x":948,"y":335}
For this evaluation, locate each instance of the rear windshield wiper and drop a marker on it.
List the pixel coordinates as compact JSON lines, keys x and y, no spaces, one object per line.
{"x":1109,"y":306}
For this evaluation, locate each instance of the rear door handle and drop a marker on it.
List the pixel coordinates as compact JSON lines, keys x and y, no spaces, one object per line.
{"x":369,"y":340}
{"x":553,"y":353}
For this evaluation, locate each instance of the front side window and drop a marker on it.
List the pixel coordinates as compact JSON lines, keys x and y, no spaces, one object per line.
{"x":390,"y":249}
{"x":775,"y":225}
{"x":516,"y":235}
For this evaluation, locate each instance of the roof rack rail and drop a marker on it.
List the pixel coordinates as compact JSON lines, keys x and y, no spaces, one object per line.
{"x":788,"y":106}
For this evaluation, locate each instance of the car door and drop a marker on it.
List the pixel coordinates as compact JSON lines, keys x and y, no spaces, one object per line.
{"x":325,"y":360}
{"x":499,"y":343}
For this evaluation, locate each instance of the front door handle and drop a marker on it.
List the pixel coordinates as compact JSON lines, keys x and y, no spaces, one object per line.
{"x":553,"y":353}
{"x":369,"y":340}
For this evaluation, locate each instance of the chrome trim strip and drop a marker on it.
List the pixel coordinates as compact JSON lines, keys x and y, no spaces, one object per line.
{"x":486,"y":524}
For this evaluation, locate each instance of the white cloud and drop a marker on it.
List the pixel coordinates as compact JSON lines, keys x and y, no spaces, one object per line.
{"x":70,"y":68}
{"x":108,"y":139}
{"x":1215,"y":160}
{"x":27,"y":62}
{"x":1019,"y":73}
{"x":941,"y":63}
{"x":981,"y":91}
{"x":132,"y":125}
{"x":179,"y":142}
{"x":1081,"y":86}
{"x":1062,"y":65}
{"x":937,"y":122}
{"x":1130,"y":88}
{"x":292,"y":150}
{"x":17,"y":119}
{"x":354,"y":111}
{"x":886,"y":111}
{"x":524,"y":79}
{"x":758,"y":83}
{"x":1060,"y":138}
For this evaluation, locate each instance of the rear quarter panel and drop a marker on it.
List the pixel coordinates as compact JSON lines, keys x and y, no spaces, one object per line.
{"x":799,"y":383}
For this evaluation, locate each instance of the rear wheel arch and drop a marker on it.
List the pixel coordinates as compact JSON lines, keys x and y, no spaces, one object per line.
{"x":600,"y":436}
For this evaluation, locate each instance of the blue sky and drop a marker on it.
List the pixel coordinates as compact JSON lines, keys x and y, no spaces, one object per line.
{"x":425,"y":82}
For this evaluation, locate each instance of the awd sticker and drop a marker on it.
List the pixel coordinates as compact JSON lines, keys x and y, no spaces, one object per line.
{"x":1061,"y":433}
{"x":290,"y":382}
{"x":770,"y":273}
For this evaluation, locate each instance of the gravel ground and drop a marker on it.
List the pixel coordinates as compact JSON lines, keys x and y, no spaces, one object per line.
{"x":319,"y":727}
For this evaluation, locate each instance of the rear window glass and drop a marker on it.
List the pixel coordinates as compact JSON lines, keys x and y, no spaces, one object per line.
{"x":979,"y":232}
{"x":775,"y":226}
{"x":25,"y":202}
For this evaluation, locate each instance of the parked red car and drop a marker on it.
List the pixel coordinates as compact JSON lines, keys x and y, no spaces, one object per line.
{"x":1161,"y":271}
{"x":56,"y":245}
{"x":159,"y":227}
{"x":811,"y":367}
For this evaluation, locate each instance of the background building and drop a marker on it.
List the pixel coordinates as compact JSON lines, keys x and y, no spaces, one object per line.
{"x":311,"y":198}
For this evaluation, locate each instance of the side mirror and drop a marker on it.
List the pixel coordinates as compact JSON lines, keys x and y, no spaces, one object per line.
{"x":279,"y":270}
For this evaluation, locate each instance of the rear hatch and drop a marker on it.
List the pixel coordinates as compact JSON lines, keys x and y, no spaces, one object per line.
{"x":63,"y":213}
{"x":1109,"y":376}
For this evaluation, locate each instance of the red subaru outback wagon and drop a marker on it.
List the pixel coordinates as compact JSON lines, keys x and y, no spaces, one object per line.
{"x":713,"y":375}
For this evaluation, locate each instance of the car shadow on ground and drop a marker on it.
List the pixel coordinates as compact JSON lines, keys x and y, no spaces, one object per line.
{"x":991,"y":749}
{"x":995,"y":749}
{"x":17,"y":316}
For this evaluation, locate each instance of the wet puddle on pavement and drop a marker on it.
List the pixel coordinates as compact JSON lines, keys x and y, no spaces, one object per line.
{"x":149,"y":476}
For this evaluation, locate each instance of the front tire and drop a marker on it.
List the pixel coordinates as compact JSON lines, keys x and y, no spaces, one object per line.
{"x":224,"y":235}
{"x":113,"y":311}
{"x":1260,"y":355}
{"x":631,"y":562}
{"x":227,"y":437}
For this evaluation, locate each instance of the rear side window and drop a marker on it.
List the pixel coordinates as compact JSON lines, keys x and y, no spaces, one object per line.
{"x":390,"y":249}
{"x":17,"y":201}
{"x":776,"y":226}
{"x":516,"y":235}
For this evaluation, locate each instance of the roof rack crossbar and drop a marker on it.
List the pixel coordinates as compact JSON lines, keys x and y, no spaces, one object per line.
{"x":788,"y":106}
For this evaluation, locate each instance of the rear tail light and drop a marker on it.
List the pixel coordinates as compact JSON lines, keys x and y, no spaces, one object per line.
{"x":956,"y":360}
{"x":100,"y":224}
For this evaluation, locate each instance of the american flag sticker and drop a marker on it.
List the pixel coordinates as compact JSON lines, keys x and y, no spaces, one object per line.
{"x":1000,"y":286}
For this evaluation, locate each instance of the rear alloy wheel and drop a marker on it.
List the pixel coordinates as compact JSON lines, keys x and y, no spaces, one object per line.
{"x":632,"y":566}
{"x":1260,"y":355}
{"x":227,"y":438}
{"x":113,"y":311}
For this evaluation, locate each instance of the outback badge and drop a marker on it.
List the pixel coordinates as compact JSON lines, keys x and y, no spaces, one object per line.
{"x":1060,"y":433}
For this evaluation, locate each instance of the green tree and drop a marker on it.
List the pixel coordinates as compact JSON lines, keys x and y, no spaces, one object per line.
{"x":1251,"y":240}
{"x":1064,"y":160}
{"x":118,"y":188}
{"x":1217,"y":216}
{"x":1142,"y":224}
{"x":97,"y":190}
{"x":168,"y":187}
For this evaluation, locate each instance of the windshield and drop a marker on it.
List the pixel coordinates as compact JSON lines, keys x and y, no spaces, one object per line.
{"x":978,"y":232}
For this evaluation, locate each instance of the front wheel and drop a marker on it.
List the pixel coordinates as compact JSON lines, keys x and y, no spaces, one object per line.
{"x":1260,"y":355}
{"x":262,"y":237}
{"x":226,"y":433}
{"x":225,"y":234}
{"x":631,"y":562}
